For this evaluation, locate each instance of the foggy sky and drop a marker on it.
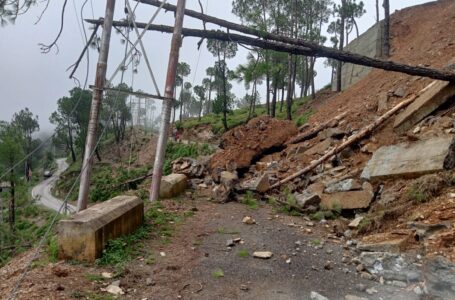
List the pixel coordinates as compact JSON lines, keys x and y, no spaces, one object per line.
{"x":29,"y":78}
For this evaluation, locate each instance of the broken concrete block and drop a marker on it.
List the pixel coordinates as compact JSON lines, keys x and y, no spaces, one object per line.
{"x":436,"y":94}
{"x":173,"y":185}
{"x":262,"y":254}
{"x":320,"y":148}
{"x":229,"y":179}
{"x":260,"y":184}
{"x":343,"y":186}
{"x":411,"y":159}
{"x":307,"y":198}
{"x":349,"y":200}
{"x":84,"y":235}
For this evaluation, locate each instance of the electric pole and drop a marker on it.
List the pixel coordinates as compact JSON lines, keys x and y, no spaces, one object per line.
{"x":97,"y":98}
{"x":168,"y":102}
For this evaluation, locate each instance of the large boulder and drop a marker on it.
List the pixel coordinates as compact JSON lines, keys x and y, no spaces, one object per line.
{"x":173,"y":185}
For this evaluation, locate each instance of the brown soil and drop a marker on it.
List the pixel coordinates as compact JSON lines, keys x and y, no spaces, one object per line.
{"x":243,"y":144}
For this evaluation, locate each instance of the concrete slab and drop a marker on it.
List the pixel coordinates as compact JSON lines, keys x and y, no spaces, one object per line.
{"x":349,"y":200}
{"x":84,"y":236}
{"x":436,"y":94}
{"x":411,"y":159}
{"x":173,"y":185}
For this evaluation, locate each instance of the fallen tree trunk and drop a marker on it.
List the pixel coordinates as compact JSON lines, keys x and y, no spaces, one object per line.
{"x":297,"y":50}
{"x":320,"y":51}
{"x":354,"y":138}
{"x":313,"y":132}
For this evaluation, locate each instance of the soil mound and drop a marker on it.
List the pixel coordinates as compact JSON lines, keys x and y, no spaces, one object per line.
{"x":243,"y":145}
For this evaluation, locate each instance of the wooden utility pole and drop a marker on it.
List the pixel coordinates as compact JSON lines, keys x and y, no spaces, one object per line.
{"x":386,"y":31}
{"x":97,"y":98}
{"x":168,"y":103}
{"x":340,"y":63}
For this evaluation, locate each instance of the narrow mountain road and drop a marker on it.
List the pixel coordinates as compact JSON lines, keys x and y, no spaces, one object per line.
{"x":42,"y":191}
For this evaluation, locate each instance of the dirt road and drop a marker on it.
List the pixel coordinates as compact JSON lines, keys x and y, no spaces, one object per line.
{"x":42,"y":191}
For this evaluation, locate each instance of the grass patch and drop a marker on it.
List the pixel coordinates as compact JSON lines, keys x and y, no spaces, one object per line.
{"x":250,"y":201}
{"x":217,"y":273}
{"x":243,"y":253}
{"x":94,"y":277}
{"x":427,"y":187}
{"x":316,"y":242}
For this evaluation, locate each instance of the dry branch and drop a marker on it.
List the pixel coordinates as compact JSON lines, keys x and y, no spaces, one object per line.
{"x":319,"y":51}
{"x":354,"y":138}
{"x":313,"y":132}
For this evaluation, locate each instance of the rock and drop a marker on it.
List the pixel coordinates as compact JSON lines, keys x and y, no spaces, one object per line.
{"x":317,"y":296}
{"x":221,"y":194}
{"x":400,"y":92}
{"x":328,"y":265}
{"x":400,"y":284}
{"x":189,"y":167}
{"x":366,"y":275}
{"x":262,"y":254}
{"x":343,"y":186}
{"x":359,"y":268}
{"x":417,"y":290}
{"x":356,"y":222}
{"x":383,"y":103}
{"x":352,"y":297}
{"x":349,"y":200}
{"x":389,"y":243}
{"x":320,"y":148}
{"x":228,"y":179}
{"x":335,"y":133}
{"x":249,"y":220}
{"x":107,"y":275}
{"x":360,"y":287}
{"x":369,"y":148}
{"x":230,"y":243}
{"x":114,"y":290}
{"x":416,"y":130}
{"x":260,"y":184}
{"x":306,"y":199}
{"x":371,"y":291}
{"x":433,"y":96}
{"x":149,"y":282}
{"x":411,"y":159}
{"x":173,"y":185}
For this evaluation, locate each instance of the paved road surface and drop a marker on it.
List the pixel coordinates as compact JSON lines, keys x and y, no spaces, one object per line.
{"x":42,"y":191}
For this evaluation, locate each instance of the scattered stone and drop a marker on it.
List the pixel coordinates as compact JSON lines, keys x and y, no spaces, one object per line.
{"x":248,"y":220}
{"x":107,"y":275}
{"x":244,"y":287}
{"x":416,"y":130}
{"x":417,"y":290}
{"x":113,"y":289}
{"x":400,"y":92}
{"x":328,"y":265}
{"x":163,"y":254}
{"x":149,"y":282}
{"x":360,"y":267}
{"x":173,"y":185}
{"x":366,"y":275}
{"x":230,"y":243}
{"x":262,"y":254}
{"x":317,"y":296}
{"x":383,"y":103}
{"x":411,"y":159}
{"x":360,"y":287}
{"x":371,"y":291}
{"x":221,"y":194}
{"x":228,"y":179}
{"x":189,"y":167}
{"x":355,"y":223}
{"x":343,"y":186}
{"x":260,"y":184}
{"x":320,"y":148}
{"x":335,"y":133}
{"x":306,"y":199}
{"x":288,"y":261}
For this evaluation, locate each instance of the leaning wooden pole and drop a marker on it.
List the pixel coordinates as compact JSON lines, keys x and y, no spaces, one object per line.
{"x":293,"y":48}
{"x":320,"y":50}
{"x":167,"y":104}
{"x":354,"y":138}
{"x":95,"y":108}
